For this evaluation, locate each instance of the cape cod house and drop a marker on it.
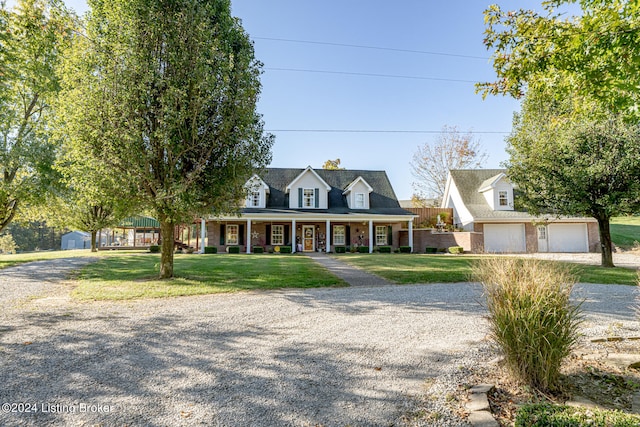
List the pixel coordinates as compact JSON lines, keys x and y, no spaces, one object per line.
{"x":483,"y":202}
{"x":313,"y":210}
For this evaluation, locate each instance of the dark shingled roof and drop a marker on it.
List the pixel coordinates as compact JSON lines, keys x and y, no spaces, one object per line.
{"x":382,"y":200}
{"x":469,"y":181}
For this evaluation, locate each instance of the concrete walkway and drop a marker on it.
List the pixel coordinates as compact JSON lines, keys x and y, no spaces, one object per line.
{"x":354,"y":276}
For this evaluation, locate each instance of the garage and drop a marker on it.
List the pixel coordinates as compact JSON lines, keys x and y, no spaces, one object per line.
{"x":504,"y":238}
{"x":568,"y":238}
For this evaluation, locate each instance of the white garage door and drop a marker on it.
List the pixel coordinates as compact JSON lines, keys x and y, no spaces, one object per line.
{"x":499,"y":238}
{"x":568,"y":238}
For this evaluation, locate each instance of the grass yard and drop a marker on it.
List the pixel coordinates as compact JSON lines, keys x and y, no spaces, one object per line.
{"x":122,"y":277}
{"x":16,"y":259}
{"x":421,"y":268}
{"x":625,"y":231}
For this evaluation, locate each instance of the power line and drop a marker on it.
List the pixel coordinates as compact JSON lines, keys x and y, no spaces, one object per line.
{"x":346,"y":73}
{"x":357,"y":46}
{"x":376,"y":131}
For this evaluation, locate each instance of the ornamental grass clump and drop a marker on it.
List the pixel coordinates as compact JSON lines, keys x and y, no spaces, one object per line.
{"x":531,"y":317}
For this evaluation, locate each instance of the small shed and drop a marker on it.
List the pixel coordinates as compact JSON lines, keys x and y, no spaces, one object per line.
{"x":76,"y":240}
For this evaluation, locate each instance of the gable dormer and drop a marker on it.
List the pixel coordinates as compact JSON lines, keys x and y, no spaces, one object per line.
{"x":498,"y":192}
{"x":308,"y":191}
{"x":357,"y":194}
{"x":257,"y":193}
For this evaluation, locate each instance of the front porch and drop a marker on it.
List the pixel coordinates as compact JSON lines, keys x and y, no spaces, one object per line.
{"x":308,"y":235}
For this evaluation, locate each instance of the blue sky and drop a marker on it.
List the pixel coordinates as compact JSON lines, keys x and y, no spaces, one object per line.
{"x":441,"y":94}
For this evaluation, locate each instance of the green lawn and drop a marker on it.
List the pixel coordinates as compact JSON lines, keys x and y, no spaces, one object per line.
{"x":421,"y":268}
{"x":16,"y":259}
{"x":625,"y":231}
{"x":121,"y":277}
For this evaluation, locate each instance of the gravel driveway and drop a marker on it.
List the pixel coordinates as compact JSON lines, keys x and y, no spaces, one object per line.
{"x":329,"y":357}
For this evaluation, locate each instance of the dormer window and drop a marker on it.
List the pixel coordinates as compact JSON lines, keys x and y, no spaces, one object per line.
{"x":257,"y":193}
{"x":503,"y":198}
{"x":359,"y":200}
{"x":255,"y":199}
{"x":308,"y":198}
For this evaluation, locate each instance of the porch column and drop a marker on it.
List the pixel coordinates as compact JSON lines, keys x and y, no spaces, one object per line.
{"x":328,"y":234}
{"x":203,"y":233}
{"x":411,"y":234}
{"x":293,"y":236}
{"x":371,"y":237}
{"x":248,"y":236}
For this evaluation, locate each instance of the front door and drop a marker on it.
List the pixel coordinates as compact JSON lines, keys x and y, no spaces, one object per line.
{"x":308,"y":238}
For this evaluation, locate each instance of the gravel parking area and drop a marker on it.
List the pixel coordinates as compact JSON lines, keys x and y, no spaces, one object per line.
{"x":328,"y":357}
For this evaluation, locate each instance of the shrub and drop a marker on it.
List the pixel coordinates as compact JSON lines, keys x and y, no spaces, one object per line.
{"x":190,"y":250}
{"x":285,"y":249}
{"x":210,"y":249}
{"x":340,"y":249}
{"x":530,"y":316}
{"x":544,"y":414}
{"x":7,"y":244}
{"x":233,"y":249}
{"x":154,"y":249}
{"x":456,"y":250}
{"x":430,"y":250}
{"x":257,"y":250}
{"x":384,"y":249}
{"x":363,"y":249}
{"x":405,"y":249}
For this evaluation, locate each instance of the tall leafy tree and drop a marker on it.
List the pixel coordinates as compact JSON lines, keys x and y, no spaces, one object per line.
{"x":164,"y":92}
{"x":599,"y":48}
{"x":432,"y":161}
{"x":87,"y":197}
{"x":332,"y":165}
{"x":31,"y":38}
{"x":574,"y":145}
{"x":569,"y":162}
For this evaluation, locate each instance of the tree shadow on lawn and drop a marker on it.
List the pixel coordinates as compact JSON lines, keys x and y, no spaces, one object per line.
{"x":169,"y":370}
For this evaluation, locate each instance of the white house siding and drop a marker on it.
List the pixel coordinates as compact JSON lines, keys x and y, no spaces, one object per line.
{"x":309,"y":180}
{"x":504,"y":238}
{"x":462,"y":216}
{"x":359,"y":187}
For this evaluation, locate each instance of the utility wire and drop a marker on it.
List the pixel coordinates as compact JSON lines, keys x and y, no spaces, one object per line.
{"x":376,"y":131}
{"x":357,"y":46}
{"x":347,"y":73}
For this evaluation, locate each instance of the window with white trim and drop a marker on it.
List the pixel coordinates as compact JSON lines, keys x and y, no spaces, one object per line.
{"x":381,"y":235}
{"x":308,"y":198}
{"x":232,"y":234}
{"x":254,"y":199}
{"x":338,"y":234}
{"x":277,"y":235}
{"x":359,"y":200}
{"x":503,"y":198}
{"x":542,"y":232}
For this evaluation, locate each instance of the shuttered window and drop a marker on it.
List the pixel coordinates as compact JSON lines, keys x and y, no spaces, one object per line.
{"x":277,"y":235}
{"x":381,"y":235}
{"x":338,"y":234}
{"x":308,"y":198}
{"x":232,"y":234}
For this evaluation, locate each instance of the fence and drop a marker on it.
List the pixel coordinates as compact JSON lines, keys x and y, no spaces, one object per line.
{"x":428,"y":217}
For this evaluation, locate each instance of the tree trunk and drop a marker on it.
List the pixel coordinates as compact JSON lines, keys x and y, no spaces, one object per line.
{"x":166,"y":257}
{"x":93,"y":241}
{"x":605,"y":241}
{"x":7,"y":213}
